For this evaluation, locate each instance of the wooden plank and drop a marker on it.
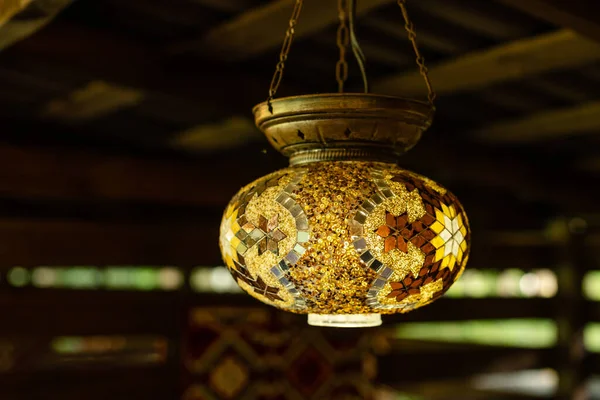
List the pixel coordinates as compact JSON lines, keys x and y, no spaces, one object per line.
{"x":263,"y":28}
{"x":591,"y":164}
{"x":10,"y":8}
{"x":578,"y":120}
{"x":57,"y":312}
{"x":447,"y":309}
{"x":490,"y":256}
{"x":94,"y":100}
{"x":152,"y":383}
{"x":30,"y":17}
{"x":474,"y":360}
{"x":66,"y":174}
{"x":229,"y":133}
{"x":485,"y":19}
{"x":64,"y":49}
{"x":225,"y":5}
{"x":579,"y":15}
{"x":573,"y":312}
{"x":511,"y":61}
{"x":63,"y":242}
{"x":500,"y":170}
{"x":73,"y":313}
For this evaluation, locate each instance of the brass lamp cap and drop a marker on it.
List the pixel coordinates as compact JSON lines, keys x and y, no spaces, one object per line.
{"x":345,"y":125}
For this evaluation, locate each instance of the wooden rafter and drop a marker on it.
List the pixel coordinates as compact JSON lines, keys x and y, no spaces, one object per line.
{"x":38,"y":14}
{"x":498,"y":170}
{"x":511,"y":61}
{"x":590,"y":164}
{"x":582,"y":119}
{"x":579,"y":15}
{"x":116,"y":59}
{"x":263,"y":28}
{"x":32,"y":242}
{"x":67,"y":175}
{"x":10,"y":8}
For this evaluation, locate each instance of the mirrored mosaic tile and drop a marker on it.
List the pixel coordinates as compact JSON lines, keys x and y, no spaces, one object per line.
{"x":326,"y":235}
{"x":360,"y":245}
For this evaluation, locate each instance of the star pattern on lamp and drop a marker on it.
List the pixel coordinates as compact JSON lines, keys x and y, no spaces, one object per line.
{"x":271,"y":235}
{"x":450,"y":240}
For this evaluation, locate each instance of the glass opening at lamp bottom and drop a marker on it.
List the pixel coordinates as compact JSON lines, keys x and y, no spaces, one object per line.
{"x":345,"y":320}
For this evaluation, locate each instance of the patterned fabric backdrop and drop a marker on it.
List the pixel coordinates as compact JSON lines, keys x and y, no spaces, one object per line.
{"x":258,"y":353}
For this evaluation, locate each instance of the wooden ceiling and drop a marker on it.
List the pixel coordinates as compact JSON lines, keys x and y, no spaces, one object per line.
{"x":143,"y":100}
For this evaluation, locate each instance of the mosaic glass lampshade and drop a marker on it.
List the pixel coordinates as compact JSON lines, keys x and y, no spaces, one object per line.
{"x":344,"y":234}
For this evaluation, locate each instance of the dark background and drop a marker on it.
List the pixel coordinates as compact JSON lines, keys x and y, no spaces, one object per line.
{"x":126,"y":126}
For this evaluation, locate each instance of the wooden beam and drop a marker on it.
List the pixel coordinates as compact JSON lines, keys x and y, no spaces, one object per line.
{"x":229,"y":133}
{"x":515,"y":60}
{"x":58,"y":312}
{"x":64,"y":242}
{"x":232,"y":6}
{"x":62,"y":51}
{"x":10,"y":8}
{"x":151,"y":383}
{"x":485,"y":19}
{"x":446,"y":309}
{"x":591,"y":164}
{"x":573,"y":312}
{"x":432,"y":33}
{"x":27,"y":18}
{"x":108,"y":313}
{"x":579,"y":15}
{"x":94,"y":100}
{"x":501,"y":170}
{"x":263,"y":28}
{"x":474,"y":360}
{"x":582,"y":119}
{"x":68,"y":175}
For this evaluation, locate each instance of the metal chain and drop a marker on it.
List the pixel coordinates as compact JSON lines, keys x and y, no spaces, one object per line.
{"x":412,"y":36}
{"x":285,"y":49}
{"x":343,"y":39}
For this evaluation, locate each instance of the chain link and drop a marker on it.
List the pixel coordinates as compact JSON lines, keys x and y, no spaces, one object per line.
{"x":343,"y":39}
{"x":412,"y":36}
{"x":283,"y":54}
{"x":285,"y":49}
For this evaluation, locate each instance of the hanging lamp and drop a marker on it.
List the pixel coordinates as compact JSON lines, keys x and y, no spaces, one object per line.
{"x":344,"y":234}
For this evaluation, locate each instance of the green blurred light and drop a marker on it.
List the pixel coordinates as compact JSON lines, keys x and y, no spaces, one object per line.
{"x":527,"y":333}
{"x":18,"y":277}
{"x":591,"y":285}
{"x":508,"y":284}
{"x":200,"y":279}
{"x":67,"y":345}
{"x":479,"y":283}
{"x":592,"y":337}
{"x":457,"y":290}
{"x":44,"y":277}
{"x":80,"y":278}
{"x":170,"y":278}
{"x":118,"y":278}
{"x":404,"y":396}
{"x":145,"y":278}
